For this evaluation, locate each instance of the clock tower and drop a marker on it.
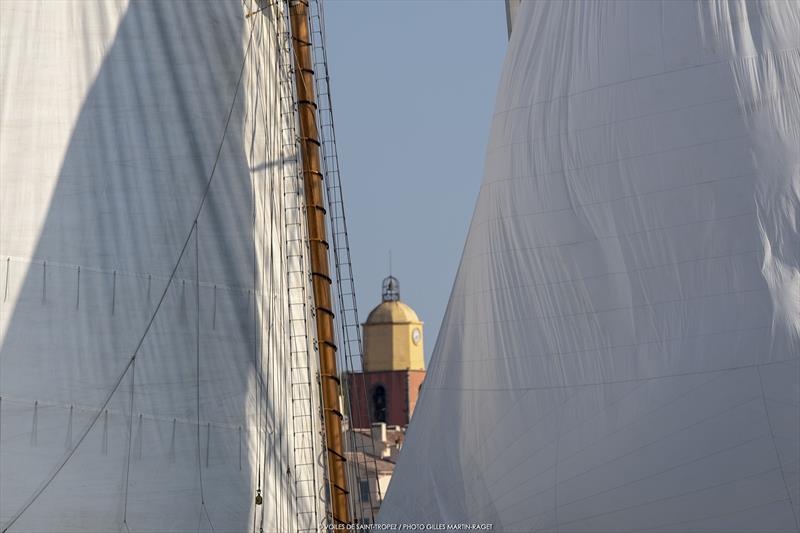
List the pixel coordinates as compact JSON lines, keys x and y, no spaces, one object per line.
{"x":394,"y":364}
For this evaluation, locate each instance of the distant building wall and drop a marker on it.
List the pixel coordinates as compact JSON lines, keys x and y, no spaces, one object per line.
{"x":400,"y":393}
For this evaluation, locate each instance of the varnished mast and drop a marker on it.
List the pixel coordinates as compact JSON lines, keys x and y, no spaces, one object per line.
{"x":321,"y":280}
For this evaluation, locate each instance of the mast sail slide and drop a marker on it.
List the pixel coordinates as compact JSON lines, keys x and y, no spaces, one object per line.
{"x":321,"y":276}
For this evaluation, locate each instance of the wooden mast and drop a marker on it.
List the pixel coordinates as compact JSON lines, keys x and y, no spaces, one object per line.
{"x":320,"y":271}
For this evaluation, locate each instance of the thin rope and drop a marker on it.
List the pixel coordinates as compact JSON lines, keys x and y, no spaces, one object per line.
{"x":263,"y":419}
{"x":258,"y":294}
{"x":38,"y":492}
{"x":278,"y":423}
{"x":208,"y":517}
{"x":284,"y":298}
{"x":271,"y":346}
{"x":130,"y":440}
{"x":197,"y":357}
{"x":265,"y":413}
{"x":267,"y":303}
{"x":342,"y":256}
{"x":283,"y":66}
{"x":256,"y":358}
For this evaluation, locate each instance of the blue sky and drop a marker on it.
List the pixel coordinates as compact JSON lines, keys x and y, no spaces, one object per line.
{"x":413,"y":85}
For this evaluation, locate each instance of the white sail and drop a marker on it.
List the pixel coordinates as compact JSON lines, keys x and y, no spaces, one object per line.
{"x":151,"y":243}
{"x":620,"y":350}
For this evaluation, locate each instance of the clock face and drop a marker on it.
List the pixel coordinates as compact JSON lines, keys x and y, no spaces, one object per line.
{"x":416,"y":336}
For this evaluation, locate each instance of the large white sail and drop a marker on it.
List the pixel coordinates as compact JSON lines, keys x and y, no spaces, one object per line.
{"x":620,"y":350}
{"x":151,"y":243}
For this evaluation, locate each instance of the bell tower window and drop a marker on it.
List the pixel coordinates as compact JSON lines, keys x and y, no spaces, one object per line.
{"x":379,"y":404}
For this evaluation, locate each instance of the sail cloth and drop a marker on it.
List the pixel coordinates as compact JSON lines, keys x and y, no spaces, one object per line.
{"x":113,"y":114}
{"x":620,"y":349}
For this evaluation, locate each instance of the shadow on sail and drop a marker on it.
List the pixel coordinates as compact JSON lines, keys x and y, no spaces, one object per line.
{"x":89,"y":249}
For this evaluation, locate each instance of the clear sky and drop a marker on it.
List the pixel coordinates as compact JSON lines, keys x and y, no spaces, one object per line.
{"x":413,"y":85}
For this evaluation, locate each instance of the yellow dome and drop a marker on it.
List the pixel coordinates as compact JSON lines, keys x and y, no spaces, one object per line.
{"x":392,"y":312}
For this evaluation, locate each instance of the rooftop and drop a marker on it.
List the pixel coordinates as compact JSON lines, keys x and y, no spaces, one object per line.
{"x":392,"y":312}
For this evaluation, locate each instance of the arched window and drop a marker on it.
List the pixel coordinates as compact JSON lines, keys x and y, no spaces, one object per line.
{"x":379,"y":403}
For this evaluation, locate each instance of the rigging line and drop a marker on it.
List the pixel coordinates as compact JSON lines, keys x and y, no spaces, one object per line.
{"x":258,"y":339}
{"x":302,"y":246}
{"x":336,"y":186}
{"x":267,"y":235}
{"x":360,"y":460}
{"x":269,"y":389}
{"x":263,"y":453}
{"x":283,"y":282}
{"x":256,"y":359}
{"x":281,"y":510}
{"x":280,"y":370}
{"x":257,"y":317}
{"x":286,"y":130}
{"x":258,"y":356}
{"x":265,"y":284}
{"x":197,"y":355}
{"x":256,"y":365}
{"x":266,"y":456}
{"x":204,"y":510}
{"x":279,"y":390}
{"x":38,"y":492}
{"x":271,"y":356}
{"x":264,"y":344}
{"x":130,"y":440}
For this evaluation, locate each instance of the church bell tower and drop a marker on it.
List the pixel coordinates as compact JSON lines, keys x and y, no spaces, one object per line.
{"x":394,"y":364}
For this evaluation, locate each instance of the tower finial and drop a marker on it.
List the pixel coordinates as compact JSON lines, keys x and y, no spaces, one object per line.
{"x":391,"y":289}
